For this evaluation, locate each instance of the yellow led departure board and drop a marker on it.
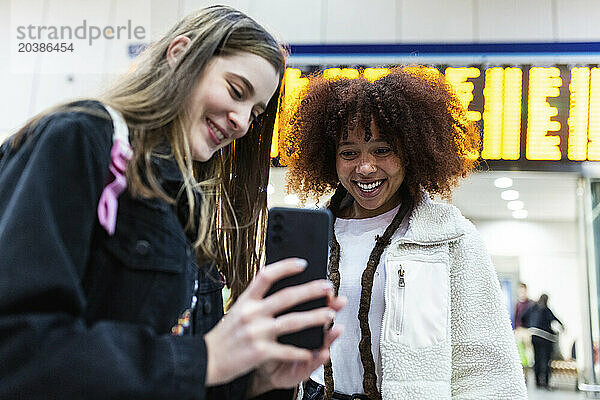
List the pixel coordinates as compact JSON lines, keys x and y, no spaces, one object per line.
{"x":295,"y":89}
{"x":334,"y":73}
{"x":578,"y":113}
{"x":594,"y":116}
{"x":502,"y":114}
{"x":457,"y":77}
{"x":372,"y":74}
{"x":525,"y":113}
{"x":544,"y":82}
{"x":584,"y":129}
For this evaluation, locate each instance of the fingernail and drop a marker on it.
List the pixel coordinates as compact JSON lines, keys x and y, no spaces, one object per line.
{"x":315,"y":354}
{"x":301,"y":263}
{"x":327,"y":285}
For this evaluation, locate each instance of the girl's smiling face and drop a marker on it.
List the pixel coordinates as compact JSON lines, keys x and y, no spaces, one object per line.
{"x":371,"y":172}
{"x":232,"y":91}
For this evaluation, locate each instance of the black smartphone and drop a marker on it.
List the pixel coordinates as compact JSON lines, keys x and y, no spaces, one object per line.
{"x":302,"y":233}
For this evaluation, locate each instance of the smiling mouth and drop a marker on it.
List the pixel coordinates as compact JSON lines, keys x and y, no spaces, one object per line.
{"x":218,"y":133}
{"x":369,"y":187}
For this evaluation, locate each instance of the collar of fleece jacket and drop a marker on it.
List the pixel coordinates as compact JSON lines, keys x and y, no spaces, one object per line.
{"x":432,"y":223}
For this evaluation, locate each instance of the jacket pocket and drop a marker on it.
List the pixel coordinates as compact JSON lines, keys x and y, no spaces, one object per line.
{"x":144,"y":272}
{"x":148,"y":238}
{"x":417,"y":302}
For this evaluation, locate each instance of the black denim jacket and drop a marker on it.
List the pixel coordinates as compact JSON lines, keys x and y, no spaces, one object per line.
{"x":88,"y":315}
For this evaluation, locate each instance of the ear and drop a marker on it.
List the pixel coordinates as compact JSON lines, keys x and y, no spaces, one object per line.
{"x":176,"y":49}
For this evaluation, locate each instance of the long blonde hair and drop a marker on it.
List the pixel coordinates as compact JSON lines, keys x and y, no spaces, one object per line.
{"x":152,"y":99}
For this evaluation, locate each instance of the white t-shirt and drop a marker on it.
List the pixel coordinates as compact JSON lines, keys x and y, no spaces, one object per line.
{"x":357,"y":239}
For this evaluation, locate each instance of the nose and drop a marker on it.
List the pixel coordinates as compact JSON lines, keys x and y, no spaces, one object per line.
{"x":366,"y":165}
{"x":239,"y":122}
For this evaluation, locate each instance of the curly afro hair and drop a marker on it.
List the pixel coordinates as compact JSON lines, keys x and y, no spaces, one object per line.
{"x":416,"y":112}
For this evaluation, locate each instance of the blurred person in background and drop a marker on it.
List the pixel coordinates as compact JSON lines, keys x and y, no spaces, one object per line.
{"x":522,"y":335}
{"x":425,"y":317}
{"x":523,"y":304}
{"x":539,"y":318}
{"x":110,"y":282}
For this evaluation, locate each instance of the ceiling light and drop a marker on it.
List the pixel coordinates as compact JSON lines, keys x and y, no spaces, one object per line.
{"x":291,"y":199}
{"x":270,"y":189}
{"x":515,"y":205}
{"x":519,"y":214}
{"x":509,"y":195}
{"x":503,"y":182}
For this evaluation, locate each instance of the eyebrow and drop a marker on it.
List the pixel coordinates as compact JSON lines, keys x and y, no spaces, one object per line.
{"x":250,"y":88}
{"x":347,"y":143}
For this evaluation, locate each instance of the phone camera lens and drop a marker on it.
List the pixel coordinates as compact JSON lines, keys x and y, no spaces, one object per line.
{"x":277,"y":227}
{"x":277,"y":239}
{"x":278,"y":218}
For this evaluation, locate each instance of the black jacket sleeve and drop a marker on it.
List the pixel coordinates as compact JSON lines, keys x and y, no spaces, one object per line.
{"x":49,"y":190}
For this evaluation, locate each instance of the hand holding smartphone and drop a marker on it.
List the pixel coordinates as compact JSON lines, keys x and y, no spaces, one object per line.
{"x":301,"y":233}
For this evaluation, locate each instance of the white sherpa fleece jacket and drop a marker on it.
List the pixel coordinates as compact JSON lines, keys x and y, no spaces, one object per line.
{"x":446,"y":333}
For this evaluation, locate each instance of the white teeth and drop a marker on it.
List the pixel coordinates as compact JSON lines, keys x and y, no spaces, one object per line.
{"x":217,"y":132}
{"x":369,"y":187}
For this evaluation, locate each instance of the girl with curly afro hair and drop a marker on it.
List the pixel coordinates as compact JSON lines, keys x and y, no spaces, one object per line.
{"x":425,"y":317}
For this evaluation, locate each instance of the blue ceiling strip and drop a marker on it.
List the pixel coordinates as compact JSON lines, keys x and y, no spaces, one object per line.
{"x":424,"y":49}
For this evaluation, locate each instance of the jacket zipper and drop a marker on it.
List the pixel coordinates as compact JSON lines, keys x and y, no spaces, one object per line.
{"x":399,"y":322}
